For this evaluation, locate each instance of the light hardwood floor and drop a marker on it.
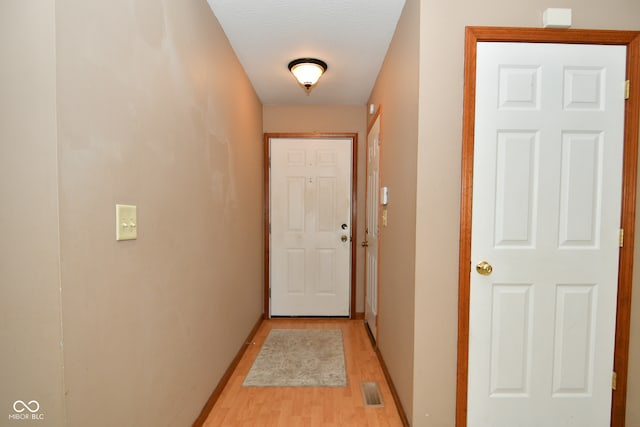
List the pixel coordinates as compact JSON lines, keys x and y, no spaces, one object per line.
{"x":307,"y":406}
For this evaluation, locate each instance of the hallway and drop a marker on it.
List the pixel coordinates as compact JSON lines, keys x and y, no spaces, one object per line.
{"x":308,"y":406}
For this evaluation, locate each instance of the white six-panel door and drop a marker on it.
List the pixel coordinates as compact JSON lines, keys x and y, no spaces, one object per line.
{"x":372,"y":228}
{"x":546,"y":217}
{"x":310,"y":206}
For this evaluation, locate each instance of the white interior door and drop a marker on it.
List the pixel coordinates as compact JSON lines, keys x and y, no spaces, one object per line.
{"x":372,"y":231}
{"x":310,"y":207}
{"x":546,"y":216}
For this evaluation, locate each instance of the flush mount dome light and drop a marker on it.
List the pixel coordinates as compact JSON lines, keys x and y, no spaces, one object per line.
{"x":307,"y":71}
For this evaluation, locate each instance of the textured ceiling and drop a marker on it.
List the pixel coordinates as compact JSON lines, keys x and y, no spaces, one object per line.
{"x":351,"y":36}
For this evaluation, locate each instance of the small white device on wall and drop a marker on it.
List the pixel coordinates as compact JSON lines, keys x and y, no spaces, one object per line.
{"x":556,"y":18}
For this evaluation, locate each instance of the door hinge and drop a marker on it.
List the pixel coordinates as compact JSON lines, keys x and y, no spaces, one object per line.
{"x":621,"y":237}
{"x":627,"y":89}
{"x":269,"y":292}
{"x":614,"y":381}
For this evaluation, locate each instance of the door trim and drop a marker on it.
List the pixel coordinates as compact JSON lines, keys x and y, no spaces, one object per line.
{"x":630,"y":39}
{"x":267,"y":214}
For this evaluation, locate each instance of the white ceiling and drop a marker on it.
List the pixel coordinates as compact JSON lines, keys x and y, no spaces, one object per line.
{"x":351,"y":36}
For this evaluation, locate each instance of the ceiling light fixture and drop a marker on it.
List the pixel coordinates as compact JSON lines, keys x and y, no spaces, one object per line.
{"x":307,"y":71}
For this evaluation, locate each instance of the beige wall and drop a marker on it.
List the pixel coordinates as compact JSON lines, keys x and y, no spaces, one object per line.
{"x":441,"y":77}
{"x":30,"y":330}
{"x":330,"y":118}
{"x":154,"y":110}
{"x":396,"y":93}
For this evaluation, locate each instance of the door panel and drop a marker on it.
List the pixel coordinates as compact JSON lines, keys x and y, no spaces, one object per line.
{"x":515,"y":193}
{"x":546,"y":215}
{"x":580,"y":196}
{"x":310,"y":207}
{"x":511,"y":341}
{"x":574,"y":332}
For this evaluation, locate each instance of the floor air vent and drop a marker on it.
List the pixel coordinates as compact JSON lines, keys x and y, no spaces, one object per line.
{"x":371,"y":394}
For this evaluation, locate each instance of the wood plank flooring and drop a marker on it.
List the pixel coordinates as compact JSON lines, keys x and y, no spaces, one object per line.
{"x":240,"y":406}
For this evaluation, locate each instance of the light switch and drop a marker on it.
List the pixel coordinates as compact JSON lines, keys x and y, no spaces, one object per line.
{"x":126,"y":222}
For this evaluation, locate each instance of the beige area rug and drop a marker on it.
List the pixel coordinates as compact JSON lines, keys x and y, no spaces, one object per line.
{"x":299,"y":357}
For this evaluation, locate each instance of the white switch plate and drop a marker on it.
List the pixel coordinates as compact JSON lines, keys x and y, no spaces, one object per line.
{"x":126,"y":222}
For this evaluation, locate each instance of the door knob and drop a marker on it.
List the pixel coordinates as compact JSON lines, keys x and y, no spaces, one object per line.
{"x":344,"y":238}
{"x":364,"y":244}
{"x":484,"y":268}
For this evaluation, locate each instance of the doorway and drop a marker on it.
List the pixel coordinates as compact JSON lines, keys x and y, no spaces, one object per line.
{"x":310,"y":224}
{"x":510,"y":379}
{"x":371,"y":241}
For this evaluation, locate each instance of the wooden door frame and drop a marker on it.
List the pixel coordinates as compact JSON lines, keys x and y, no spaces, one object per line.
{"x":267,"y":214}
{"x":630,"y":39}
{"x":376,"y":116}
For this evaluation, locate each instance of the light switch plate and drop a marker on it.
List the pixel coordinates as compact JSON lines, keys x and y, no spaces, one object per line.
{"x":126,"y":222}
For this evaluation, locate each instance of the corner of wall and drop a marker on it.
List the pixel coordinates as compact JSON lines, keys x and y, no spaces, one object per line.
{"x":32,"y":370}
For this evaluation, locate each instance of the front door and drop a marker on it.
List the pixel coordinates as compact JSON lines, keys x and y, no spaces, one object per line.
{"x":547,"y":178}
{"x":310,"y":215}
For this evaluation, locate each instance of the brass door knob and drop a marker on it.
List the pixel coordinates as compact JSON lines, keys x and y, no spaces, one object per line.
{"x":364,"y":244}
{"x":344,"y":238}
{"x":484,"y":268}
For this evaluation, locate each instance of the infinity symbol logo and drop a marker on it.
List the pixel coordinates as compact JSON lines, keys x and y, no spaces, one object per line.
{"x":20,"y":404}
